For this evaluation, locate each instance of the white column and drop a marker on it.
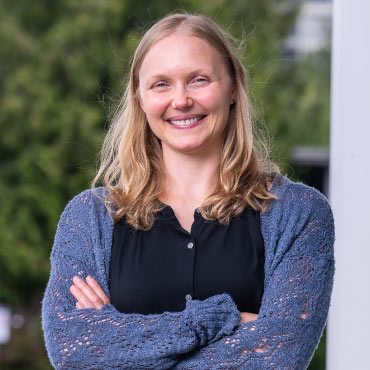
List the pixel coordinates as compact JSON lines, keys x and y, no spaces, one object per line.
{"x":349,"y":319}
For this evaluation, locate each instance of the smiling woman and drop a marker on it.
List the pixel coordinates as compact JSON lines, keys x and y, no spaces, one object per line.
{"x":196,"y":253}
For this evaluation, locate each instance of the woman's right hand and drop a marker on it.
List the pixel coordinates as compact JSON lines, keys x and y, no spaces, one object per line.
{"x":247,"y":317}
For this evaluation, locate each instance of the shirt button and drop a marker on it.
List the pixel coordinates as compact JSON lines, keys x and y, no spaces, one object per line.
{"x":188,"y":297}
{"x":190,"y":245}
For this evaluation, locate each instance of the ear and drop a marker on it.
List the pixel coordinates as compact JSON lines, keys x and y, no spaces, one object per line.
{"x":233,"y":94}
{"x":232,"y":101}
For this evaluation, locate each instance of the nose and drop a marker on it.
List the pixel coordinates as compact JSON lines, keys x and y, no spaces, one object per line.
{"x":181,"y":99}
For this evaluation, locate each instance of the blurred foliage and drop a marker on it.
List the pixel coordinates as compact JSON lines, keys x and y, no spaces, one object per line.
{"x":63,"y":69}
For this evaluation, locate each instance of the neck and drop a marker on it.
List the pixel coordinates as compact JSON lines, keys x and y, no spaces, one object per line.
{"x":190,"y":177}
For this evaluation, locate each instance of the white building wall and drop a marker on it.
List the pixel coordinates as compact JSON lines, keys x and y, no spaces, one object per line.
{"x":349,"y":319}
{"x":312,"y":28}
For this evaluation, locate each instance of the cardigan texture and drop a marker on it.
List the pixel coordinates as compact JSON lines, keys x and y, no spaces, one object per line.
{"x":298,"y":232}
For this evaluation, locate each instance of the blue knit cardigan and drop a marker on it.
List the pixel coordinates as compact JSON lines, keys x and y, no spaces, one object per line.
{"x":298,"y":232}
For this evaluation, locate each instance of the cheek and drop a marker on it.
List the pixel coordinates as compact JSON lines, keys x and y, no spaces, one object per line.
{"x":217,"y":102}
{"x":213,"y":99}
{"x":154,"y":107}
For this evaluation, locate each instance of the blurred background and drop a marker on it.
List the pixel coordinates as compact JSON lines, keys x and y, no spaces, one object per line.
{"x":63,"y":68}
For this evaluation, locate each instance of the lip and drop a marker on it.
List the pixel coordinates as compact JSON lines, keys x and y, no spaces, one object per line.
{"x":185,"y":117}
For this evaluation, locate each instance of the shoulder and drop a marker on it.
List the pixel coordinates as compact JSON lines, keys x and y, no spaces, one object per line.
{"x":300,"y":215}
{"x":94,"y":197}
{"x":298,"y":198}
{"x":85,"y":221}
{"x":87,"y":205}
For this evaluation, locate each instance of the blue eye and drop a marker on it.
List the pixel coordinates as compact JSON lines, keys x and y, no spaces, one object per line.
{"x":159,"y":85}
{"x":200,"y":80}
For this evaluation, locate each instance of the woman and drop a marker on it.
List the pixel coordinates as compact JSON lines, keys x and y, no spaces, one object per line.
{"x":196,"y":253}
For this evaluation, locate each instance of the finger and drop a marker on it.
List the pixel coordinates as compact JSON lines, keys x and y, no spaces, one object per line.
{"x":81,"y":297}
{"x":79,"y":306}
{"x":97,"y":289}
{"x":247,"y":317}
{"x":89,"y":292}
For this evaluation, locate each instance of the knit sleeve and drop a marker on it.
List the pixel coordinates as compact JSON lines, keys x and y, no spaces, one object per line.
{"x":296,"y":299}
{"x":107,"y":339}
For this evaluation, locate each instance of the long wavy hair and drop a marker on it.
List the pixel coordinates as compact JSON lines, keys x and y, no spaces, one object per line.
{"x":131,"y":164}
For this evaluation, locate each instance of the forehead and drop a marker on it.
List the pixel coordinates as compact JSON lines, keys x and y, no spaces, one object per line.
{"x":177,"y":53}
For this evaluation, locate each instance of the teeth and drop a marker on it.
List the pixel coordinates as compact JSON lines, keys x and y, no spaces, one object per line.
{"x":185,"y":122}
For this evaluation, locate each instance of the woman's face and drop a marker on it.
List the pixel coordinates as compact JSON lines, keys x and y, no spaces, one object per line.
{"x":185,"y":91}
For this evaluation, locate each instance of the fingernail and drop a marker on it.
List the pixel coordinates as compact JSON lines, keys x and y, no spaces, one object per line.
{"x":76,"y":279}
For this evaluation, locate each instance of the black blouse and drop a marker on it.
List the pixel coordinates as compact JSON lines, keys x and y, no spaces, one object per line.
{"x":159,"y":269}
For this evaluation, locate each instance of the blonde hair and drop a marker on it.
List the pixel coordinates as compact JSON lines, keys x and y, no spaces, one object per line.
{"x":131,"y":158}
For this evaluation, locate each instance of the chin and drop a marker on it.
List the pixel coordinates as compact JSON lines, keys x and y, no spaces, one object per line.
{"x":188,"y":149}
{"x":191,"y":148}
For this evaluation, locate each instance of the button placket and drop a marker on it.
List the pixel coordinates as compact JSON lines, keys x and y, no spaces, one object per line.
{"x":190,"y":246}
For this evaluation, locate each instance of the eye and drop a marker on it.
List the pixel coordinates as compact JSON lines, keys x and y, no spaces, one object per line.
{"x":200,"y":81}
{"x":160,"y":85}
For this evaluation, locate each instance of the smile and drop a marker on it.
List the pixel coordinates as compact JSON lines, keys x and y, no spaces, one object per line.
{"x":186,"y":122}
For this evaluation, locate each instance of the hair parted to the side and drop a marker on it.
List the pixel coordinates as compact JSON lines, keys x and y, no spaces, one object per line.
{"x":131,"y":164}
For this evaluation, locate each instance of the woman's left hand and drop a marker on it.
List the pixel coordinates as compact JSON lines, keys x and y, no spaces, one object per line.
{"x":247,"y":317}
{"x":88,"y":293}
